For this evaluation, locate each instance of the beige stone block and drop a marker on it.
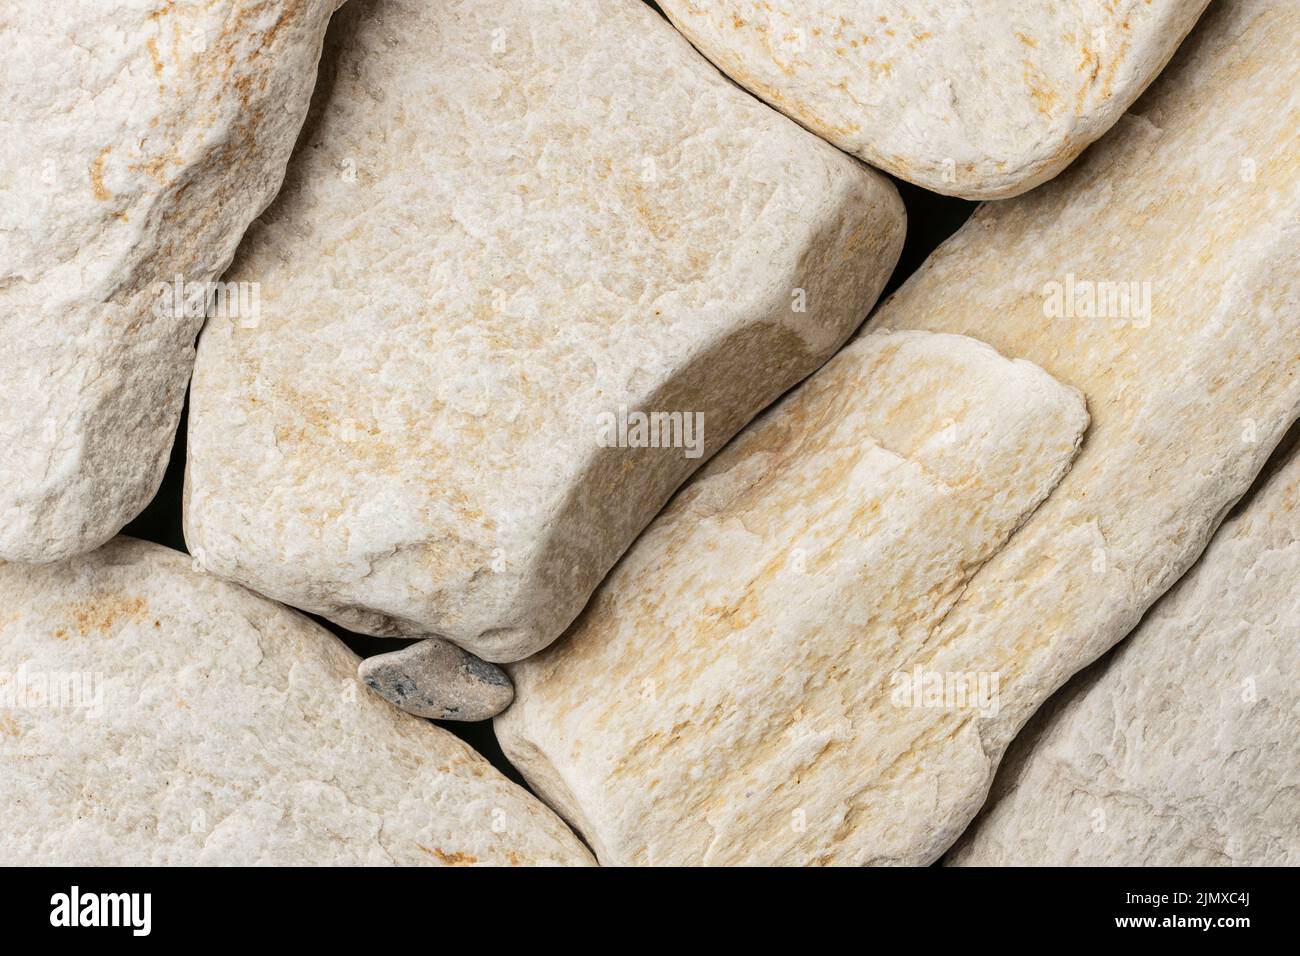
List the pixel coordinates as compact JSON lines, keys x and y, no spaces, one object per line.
{"x":507,"y":224}
{"x":138,"y":139}
{"x":152,"y":715}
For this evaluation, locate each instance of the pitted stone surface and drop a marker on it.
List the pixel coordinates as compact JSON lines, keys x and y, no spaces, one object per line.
{"x":727,"y":697}
{"x":1193,"y":204}
{"x":977,"y":98}
{"x":1183,"y":749}
{"x":1191,"y":379}
{"x":138,"y":138}
{"x":505,"y":222}
{"x":150,"y":715}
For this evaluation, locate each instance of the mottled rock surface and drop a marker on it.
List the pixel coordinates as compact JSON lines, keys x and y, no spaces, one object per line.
{"x":1196,"y":199}
{"x":138,"y":138}
{"x":1183,"y":748}
{"x":440,"y":680}
{"x":506,"y":222}
{"x":726,"y":698}
{"x":976,"y":98}
{"x":152,"y":715}
{"x":1190,"y":380}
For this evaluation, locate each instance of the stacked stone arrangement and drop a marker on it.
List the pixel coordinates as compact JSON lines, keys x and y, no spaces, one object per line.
{"x":549,"y":348}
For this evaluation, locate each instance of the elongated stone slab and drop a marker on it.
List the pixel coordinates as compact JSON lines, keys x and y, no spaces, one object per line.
{"x":978,"y":99}
{"x":1183,"y":749}
{"x":1161,"y":277}
{"x":511,"y":230}
{"x":152,"y":715}
{"x":1190,"y":384}
{"x":138,"y":138}
{"x":727,"y":696}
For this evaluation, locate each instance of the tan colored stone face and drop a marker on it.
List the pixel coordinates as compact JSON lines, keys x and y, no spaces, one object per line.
{"x":153,"y":715}
{"x":1184,"y":749}
{"x":1191,"y":378}
{"x":749,"y":647}
{"x":140,"y":140}
{"x":977,"y":98}
{"x":1191,"y":205}
{"x":505,"y":222}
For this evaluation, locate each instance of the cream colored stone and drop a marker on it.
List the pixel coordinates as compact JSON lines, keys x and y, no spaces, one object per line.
{"x":505,"y":221}
{"x":1199,"y":195}
{"x":723,"y":698}
{"x":152,"y":715}
{"x":1183,"y":749}
{"x":976,"y":98}
{"x":138,"y":138}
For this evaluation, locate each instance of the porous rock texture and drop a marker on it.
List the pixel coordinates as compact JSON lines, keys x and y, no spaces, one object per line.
{"x":505,"y":222}
{"x":1198,"y":195}
{"x":977,"y":98}
{"x":153,"y":715}
{"x":1195,"y":198}
{"x":138,"y":138}
{"x":1183,"y":747}
{"x":727,"y":693}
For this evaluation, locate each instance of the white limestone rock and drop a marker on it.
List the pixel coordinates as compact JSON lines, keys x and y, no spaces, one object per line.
{"x":1183,"y":749}
{"x":505,"y":222}
{"x":138,"y":138}
{"x":977,"y":98}
{"x":726,"y":697}
{"x":1198,"y":197}
{"x":151,"y":715}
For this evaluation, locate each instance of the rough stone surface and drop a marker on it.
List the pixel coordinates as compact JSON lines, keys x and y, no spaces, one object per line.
{"x":725,"y":696}
{"x":1183,"y":749}
{"x":138,"y":138}
{"x":976,"y":98}
{"x":152,"y":715}
{"x":437,"y":679}
{"x":505,"y":221}
{"x":1197,"y":194}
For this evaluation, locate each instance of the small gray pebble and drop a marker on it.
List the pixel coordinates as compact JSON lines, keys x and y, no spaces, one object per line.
{"x":435,"y":678}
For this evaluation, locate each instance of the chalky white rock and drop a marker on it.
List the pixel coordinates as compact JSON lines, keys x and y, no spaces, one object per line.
{"x":138,"y":138}
{"x":1183,"y":749}
{"x":157,"y":716}
{"x":977,"y":98}
{"x":508,"y":226}
{"x":1160,"y":276}
{"x":728,"y":698}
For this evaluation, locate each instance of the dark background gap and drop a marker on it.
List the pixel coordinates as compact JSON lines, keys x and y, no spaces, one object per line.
{"x":931,"y":218}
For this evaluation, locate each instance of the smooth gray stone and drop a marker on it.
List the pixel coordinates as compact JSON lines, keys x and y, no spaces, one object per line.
{"x":435,"y":678}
